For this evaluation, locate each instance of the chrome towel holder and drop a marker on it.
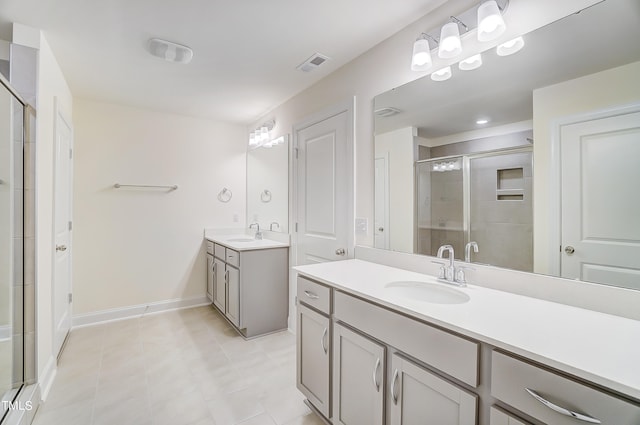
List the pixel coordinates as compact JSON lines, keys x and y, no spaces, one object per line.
{"x":225,"y":195}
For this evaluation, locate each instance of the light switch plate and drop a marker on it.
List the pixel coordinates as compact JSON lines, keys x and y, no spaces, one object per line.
{"x":362,"y":226}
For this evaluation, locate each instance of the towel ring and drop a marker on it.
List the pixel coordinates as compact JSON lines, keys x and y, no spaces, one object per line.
{"x":225,"y":195}
{"x":265,"y":196}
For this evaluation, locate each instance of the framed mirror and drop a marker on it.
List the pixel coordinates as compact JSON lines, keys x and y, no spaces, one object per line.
{"x":268,"y":185}
{"x":535,"y":156}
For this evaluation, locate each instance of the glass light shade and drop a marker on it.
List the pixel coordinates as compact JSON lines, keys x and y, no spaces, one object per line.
{"x":252,"y":140}
{"x":421,"y":59}
{"x":264,"y":135}
{"x":490,"y":22}
{"x":450,"y":44}
{"x":510,"y":47}
{"x":470,"y":63}
{"x":441,"y":74}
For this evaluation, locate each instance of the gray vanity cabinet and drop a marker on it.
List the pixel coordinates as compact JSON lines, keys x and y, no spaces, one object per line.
{"x":313,"y":354}
{"x":358,"y":378}
{"x":417,"y":394}
{"x":219,"y":285}
{"x":498,"y":417}
{"x":210,"y":277}
{"x":233,"y":295}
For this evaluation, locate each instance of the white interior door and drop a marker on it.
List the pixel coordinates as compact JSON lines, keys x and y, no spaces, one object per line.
{"x":600,"y":168}
{"x":323,"y":190}
{"x":62,"y":228}
{"x":381,"y":186}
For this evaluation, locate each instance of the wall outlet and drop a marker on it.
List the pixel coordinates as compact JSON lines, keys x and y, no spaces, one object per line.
{"x":362,"y":226}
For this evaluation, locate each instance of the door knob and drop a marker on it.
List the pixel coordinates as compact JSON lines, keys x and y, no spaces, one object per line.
{"x":380,"y":229}
{"x":61,"y":247}
{"x":569,"y":249}
{"x":340,"y":251}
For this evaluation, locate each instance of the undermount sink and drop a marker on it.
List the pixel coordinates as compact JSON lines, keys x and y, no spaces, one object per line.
{"x":435,"y":293}
{"x":241,"y":240}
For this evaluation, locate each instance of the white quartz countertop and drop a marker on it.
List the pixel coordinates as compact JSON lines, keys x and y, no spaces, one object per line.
{"x":242,"y":242}
{"x":597,"y":347}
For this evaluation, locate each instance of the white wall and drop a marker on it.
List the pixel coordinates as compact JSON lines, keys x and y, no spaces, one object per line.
{"x":399,"y":145}
{"x":602,"y":90}
{"x":134,"y":247}
{"x":386,"y":66}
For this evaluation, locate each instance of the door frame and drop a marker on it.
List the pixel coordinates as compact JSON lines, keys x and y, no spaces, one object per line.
{"x":385,"y":225}
{"x":555,"y":182}
{"x":58,"y":114}
{"x":347,"y":106}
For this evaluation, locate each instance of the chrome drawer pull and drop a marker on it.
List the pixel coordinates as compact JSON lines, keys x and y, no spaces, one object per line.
{"x":324,"y":335}
{"x":562,"y":410}
{"x":375,"y":374}
{"x":394,"y":396}
{"x":311,"y":295}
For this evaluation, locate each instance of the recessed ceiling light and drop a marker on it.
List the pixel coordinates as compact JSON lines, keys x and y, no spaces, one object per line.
{"x":483,"y":121}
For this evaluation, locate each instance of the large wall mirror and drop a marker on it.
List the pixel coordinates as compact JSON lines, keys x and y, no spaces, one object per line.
{"x":535,"y":156}
{"x":268,"y":185}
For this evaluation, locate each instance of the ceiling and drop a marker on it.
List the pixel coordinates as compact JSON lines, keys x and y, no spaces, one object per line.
{"x":598,"y":38}
{"x":245,"y":51}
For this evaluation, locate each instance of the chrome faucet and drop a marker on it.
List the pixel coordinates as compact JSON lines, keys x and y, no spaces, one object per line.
{"x":447,"y":272}
{"x":467,"y":250}
{"x":258,"y":232}
{"x":271,"y":225}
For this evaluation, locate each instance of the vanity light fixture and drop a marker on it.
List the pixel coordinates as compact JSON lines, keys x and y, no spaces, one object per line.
{"x":471,"y":63}
{"x":510,"y":47}
{"x":261,"y":135}
{"x":421,"y":57}
{"x":450,"y":45}
{"x":441,"y":74}
{"x":482,"y":121}
{"x":490,"y":21}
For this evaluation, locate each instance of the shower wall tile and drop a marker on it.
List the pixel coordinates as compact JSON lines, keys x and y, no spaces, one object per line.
{"x":18,"y":216}
{"x":505,"y":245}
{"x":29,"y":306}
{"x":18,"y":260}
{"x":18,"y":310}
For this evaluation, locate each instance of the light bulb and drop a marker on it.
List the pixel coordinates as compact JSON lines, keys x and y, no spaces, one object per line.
{"x":252,"y":140}
{"x":450,"y":45}
{"x":421,"y":58}
{"x":490,"y":21}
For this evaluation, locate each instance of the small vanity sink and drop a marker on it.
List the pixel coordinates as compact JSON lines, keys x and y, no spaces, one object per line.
{"x":427,"y":292}
{"x":241,"y":240}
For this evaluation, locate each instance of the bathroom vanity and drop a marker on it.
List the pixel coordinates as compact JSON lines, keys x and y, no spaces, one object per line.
{"x":383,"y":345}
{"x":247,"y":281}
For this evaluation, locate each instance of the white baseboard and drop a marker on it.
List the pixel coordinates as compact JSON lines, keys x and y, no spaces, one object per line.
{"x":47,"y":377}
{"x":136,"y":311}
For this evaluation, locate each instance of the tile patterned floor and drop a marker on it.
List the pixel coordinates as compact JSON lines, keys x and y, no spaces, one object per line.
{"x":185,"y":367}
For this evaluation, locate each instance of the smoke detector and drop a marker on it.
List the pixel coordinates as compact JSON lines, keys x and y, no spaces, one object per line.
{"x":169,"y":51}
{"x":386,"y":112}
{"x":313,"y":62}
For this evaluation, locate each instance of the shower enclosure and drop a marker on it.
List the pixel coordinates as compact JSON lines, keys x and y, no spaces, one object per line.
{"x":484,"y":197}
{"x":17,"y":277}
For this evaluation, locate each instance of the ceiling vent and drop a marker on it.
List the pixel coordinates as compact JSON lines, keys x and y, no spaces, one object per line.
{"x":386,"y":112}
{"x":171,"y":52}
{"x":313,"y":62}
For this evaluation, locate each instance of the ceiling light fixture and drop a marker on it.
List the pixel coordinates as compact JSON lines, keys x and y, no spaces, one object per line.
{"x":442,"y":74}
{"x":490,"y":21}
{"x":471,"y":63}
{"x":169,"y":51}
{"x":510,"y":47}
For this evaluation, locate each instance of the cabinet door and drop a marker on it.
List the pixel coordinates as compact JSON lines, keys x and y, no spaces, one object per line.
{"x":498,"y":417}
{"x":219,"y":286}
{"x":358,"y":379}
{"x":312,"y":359}
{"x":419,"y":397}
{"x":233,"y":295}
{"x":210,"y":277}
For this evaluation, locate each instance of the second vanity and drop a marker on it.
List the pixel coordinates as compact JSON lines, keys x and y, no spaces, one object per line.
{"x":380,"y":345}
{"x":247,"y":281}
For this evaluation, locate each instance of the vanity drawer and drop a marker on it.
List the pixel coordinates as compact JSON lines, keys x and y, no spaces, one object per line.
{"x":209,"y":247}
{"x":314,"y":295}
{"x":233,"y":258}
{"x":452,"y":354}
{"x":510,"y":379}
{"x":219,"y":251}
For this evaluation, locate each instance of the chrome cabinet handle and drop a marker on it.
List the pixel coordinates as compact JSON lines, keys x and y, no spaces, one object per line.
{"x":375,"y":375}
{"x":311,"y":295}
{"x":394,"y":396}
{"x":569,"y":249}
{"x":324,"y":334}
{"x":562,"y":410}
{"x":340,"y":251}
{"x":61,"y":247}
